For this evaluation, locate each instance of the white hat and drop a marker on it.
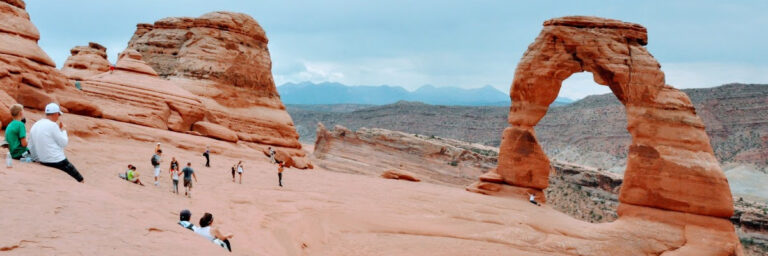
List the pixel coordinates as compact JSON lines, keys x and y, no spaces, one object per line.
{"x":52,"y":108}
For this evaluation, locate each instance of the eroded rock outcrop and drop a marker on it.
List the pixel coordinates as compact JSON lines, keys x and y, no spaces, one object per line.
{"x":376,"y":151}
{"x":671,"y":165}
{"x":397,"y":174}
{"x":223,"y":58}
{"x":27,"y":75}
{"x":133,"y":93}
{"x":86,"y":61}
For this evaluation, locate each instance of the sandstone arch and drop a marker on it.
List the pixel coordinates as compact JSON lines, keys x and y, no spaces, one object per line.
{"x":671,"y":164}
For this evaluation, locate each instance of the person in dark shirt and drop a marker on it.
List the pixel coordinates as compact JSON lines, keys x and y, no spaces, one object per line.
{"x":189,"y":173}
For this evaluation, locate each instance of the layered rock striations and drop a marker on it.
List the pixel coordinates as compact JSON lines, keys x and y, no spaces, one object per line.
{"x":133,"y":93}
{"x":27,"y":75}
{"x":672,"y":175}
{"x":377,"y":151}
{"x":86,"y":61}
{"x":223,"y":58}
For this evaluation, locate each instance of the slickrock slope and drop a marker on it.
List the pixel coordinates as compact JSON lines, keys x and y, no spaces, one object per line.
{"x":86,"y":61}
{"x":316,"y":213}
{"x":27,"y":75}
{"x":583,"y":192}
{"x":375,"y":151}
{"x":223,"y":58}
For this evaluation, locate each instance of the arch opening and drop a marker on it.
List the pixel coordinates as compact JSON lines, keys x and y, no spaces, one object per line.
{"x":587,"y":144}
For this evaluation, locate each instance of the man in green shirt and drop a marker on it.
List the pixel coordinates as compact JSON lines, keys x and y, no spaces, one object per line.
{"x":16,"y":132}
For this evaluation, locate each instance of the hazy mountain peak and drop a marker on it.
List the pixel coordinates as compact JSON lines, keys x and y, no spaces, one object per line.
{"x":337,"y":93}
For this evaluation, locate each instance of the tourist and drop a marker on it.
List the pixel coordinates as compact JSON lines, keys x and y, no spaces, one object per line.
{"x":131,"y":175}
{"x":189,"y":173}
{"x":271,"y":155}
{"x":207,"y":155}
{"x":48,"y":137}
{"x":175,"y":175}
{"x":16,"y":132}
{"x":240,"y":171}
{"x":111,"y":68}
{"x":156,"y":159}
{"x":233,"y":172}
{"x":532,"y":199}
{"x":280,"y":173}
{"x":184,"y":217}
{"x":212,"y":233}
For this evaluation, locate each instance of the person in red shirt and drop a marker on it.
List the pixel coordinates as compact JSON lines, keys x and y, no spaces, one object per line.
{"x":111,"y":68}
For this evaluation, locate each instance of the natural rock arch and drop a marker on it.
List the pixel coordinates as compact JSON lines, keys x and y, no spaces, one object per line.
{"x":670,"y":165}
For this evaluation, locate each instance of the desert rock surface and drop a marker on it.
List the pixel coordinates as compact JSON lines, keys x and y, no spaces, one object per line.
{"x":317,"y":213}
{"x":375,"y":151}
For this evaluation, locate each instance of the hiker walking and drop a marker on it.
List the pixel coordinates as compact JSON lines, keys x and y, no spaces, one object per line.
{"x":175,"y":175}
{"x":207,"y":155}
{"x":189,"y":173}
{"x":280,"y":173}
{"x":156,"y":159}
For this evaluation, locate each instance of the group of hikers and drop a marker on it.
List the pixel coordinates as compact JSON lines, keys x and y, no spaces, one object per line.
{"x":47,"y":139}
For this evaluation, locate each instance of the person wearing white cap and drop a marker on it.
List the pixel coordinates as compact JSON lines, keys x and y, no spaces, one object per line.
{"x":48,"y":139}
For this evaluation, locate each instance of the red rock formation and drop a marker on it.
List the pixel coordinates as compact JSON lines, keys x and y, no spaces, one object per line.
{"x":671,"y":164}
{"x":134,"y":93}
{"x":86,"y":61}
{"x":215,"y":131}
{"x":397,"y":174}
{"x":223,"y":58}
{"x":27,"y":75}
{"x":375,"y":151}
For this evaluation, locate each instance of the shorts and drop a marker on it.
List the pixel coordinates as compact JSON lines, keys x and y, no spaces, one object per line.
{"x":157,"y":171}
{"x":188,"y":183}
{"x":240,"y":171}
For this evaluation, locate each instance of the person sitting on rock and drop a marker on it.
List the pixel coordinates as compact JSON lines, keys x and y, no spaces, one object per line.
{"x":184,"y":217}
{"x":131,"y":175}
{"x":48,"y":139}
{"x":213,"y":234}
{"x":16,"y":132}
{"x":532,"y":199}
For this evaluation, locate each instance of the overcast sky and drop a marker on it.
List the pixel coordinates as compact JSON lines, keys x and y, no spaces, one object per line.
{"x":443,"y":43}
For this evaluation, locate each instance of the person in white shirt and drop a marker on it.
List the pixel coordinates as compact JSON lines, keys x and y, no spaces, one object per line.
{"x":532,"y":199}
{"x":48,"y":139}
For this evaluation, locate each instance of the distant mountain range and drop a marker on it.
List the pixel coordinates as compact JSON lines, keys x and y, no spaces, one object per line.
{"x":335,"y":93}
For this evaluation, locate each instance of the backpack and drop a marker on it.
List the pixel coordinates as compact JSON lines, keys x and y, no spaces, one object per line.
{"x":154,"y":160}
